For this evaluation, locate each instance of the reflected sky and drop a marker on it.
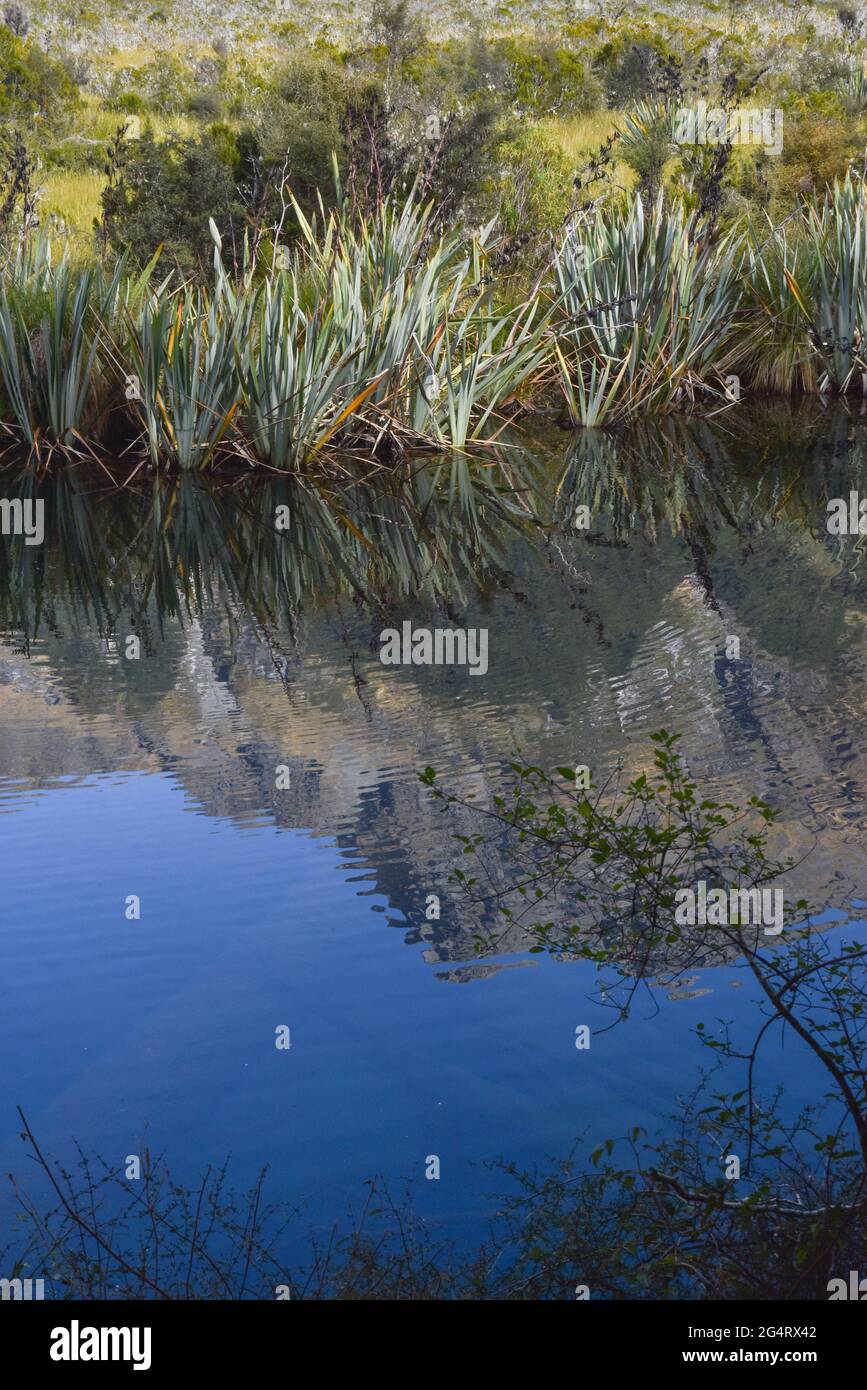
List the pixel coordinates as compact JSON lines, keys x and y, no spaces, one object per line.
{"x":305,"y":906}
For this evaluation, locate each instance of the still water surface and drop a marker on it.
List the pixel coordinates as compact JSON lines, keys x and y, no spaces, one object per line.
{"x":305,"y":906}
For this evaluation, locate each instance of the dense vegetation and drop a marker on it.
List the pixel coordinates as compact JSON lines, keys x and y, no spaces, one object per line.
{"x":292,"y":247}
{"x":412,"y":238}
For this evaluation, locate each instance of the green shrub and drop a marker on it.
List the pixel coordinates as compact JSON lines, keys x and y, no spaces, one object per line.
{"x":227,"y":143}
{"x":536,"y":183}
{"x":817,"y":149}
{"x":546,"y":80}
{"x":130,"y":102}
{"x":628,"y":69}
{"x":534,"y":76}
{"x":817,"y":64}
{"x":304,"y":120}
{"x":31,"y":83}
{"x":647,"y":143}
{"x":207,"y":103}
{"x":443,"y":126}
{"x":164,"y":194}
{"x":163,"y":85}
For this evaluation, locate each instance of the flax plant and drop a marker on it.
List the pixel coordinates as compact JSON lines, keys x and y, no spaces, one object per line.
{"x":647,"y":311}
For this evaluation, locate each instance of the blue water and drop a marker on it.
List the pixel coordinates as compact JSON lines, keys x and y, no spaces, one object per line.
{"x":305,"y":908}
{"x":159,"y":1033}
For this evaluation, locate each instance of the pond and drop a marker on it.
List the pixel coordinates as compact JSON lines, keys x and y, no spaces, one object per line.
{"x":213,"y":826}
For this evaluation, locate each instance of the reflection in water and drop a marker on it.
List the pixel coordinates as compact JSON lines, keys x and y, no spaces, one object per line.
{"x":260,"y":648}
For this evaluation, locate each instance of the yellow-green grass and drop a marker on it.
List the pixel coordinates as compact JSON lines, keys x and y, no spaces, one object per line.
{"x":73,"y":197}
{"x":141,"y":55}
{"x":95,"y":121}
{"x":580,"y":137}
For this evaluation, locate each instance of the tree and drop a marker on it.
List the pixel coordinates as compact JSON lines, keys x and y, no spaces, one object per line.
{"x":16,"y":20}
{"x":163,"y":194}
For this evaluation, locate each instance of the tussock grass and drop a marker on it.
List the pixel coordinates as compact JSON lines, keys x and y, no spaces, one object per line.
{"x":72,"y":197}
{"x":579,"y":137}
{"x":645,"y":312}
{"x":383,"y":333}
{"x":379,"y":330}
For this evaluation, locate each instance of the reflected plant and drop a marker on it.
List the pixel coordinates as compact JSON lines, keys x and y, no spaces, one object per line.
{"x":730,"y":479}
{"x":608,"y":869}
{"x":678,"y":472}
{"x":431,"y":526}
{"x":642,"y":1216}
{"x":613,"y":861}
